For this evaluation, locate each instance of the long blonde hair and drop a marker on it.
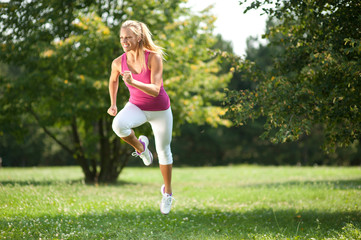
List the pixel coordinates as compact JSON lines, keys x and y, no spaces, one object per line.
{"x":146,"y":43}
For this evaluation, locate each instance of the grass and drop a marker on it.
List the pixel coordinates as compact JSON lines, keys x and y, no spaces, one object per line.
{"x":235,"y":202}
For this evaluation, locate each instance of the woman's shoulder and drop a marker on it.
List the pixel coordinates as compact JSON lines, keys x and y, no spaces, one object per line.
{"x":117,"y":64}
{"x":154,"y":56}
{"x":117,"y":61}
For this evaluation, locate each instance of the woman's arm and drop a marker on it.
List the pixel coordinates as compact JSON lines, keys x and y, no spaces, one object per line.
{"x":113,"y":88}
{"x":156,"y":79}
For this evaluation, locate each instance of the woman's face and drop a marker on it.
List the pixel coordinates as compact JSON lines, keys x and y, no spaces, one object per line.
{"x":128,"y":39}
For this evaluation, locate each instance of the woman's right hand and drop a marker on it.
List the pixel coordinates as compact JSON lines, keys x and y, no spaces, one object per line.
{"x":112,"y":111}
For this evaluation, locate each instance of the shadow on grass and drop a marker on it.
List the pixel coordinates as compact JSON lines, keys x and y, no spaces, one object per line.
{"x":332,"y":184}
{"x":8,"y":183}
{"x":205,"y":223}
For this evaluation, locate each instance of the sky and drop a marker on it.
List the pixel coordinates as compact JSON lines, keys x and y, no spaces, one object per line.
{"x":232,"y":23}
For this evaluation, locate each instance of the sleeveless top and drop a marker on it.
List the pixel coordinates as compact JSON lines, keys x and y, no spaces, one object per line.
{"x":139,"y":98}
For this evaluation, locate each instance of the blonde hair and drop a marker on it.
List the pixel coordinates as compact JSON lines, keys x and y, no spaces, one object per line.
{"x":146,"y":43}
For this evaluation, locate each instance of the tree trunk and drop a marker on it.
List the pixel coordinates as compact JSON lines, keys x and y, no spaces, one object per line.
{"x":77,"y":152}
{"x":113,"y":155}
{"x":356,"y":160}
{"x":90,"y":176}
{"x":104,"y":151}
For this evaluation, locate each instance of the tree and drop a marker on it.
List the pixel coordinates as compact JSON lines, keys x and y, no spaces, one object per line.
{"x":63,"y":50}
{"x":316,"y":79}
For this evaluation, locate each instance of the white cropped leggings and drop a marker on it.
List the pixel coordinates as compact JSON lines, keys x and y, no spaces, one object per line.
{"x":161,"y":122}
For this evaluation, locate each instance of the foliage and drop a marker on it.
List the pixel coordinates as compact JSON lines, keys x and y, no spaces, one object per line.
{"x":191,"y":72}
{"x":238,"y":202}
{"x":314,"y":81}
{"x":62,"y":51}
{"x":203,"y":145}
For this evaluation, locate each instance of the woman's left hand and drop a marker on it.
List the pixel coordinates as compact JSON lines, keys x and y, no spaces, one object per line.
{"x":127,"y":77}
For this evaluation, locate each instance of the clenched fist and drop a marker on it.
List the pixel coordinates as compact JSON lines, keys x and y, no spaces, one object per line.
{"x":112,"y":111}
{"x":127,"y":77}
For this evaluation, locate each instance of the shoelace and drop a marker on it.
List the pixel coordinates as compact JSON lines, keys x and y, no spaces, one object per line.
{"x":168,"y":199}
{"x":135,"y":154}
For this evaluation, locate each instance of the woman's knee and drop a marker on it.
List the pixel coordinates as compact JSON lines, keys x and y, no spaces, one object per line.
{"x":165,"y":156}
{"x":121,"y":129}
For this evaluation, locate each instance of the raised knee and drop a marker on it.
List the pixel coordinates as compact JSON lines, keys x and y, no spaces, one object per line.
{"x":120,"y":129}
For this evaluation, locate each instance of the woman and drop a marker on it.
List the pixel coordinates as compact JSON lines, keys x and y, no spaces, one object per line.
{"x":141,"y":67}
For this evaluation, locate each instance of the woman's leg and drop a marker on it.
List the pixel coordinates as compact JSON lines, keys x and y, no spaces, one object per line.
{"x":166,"y":171}
{"x":129,"y":117}
{"x":134,"y":142}
{"x":162,"y":126}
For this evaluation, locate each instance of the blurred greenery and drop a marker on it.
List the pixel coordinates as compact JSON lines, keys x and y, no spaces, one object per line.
{"x":56,"y":57}
{"x":54,"y":70}
{"x":314,"y":80}
{"x":204,"y":145}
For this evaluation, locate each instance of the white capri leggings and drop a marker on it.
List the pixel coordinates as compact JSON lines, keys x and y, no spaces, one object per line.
{"x":161,"y":122}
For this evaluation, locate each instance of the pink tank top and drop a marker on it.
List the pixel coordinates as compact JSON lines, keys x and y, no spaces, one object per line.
{"x":142,"y":100}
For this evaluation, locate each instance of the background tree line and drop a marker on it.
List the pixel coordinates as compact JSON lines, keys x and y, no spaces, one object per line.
{"x":313,"y":84}
{"x":55,"y":67}
{"x":57,"y":57}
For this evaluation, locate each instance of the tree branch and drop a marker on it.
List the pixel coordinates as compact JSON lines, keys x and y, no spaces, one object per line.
{"x":80,"y":154}
{"x":49,"y":133}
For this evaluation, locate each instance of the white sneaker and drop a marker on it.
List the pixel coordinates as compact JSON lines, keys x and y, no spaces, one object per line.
{"x":166,"y":203}
{"x":146,"y":155}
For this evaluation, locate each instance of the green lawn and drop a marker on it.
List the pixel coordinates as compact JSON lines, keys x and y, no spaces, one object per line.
{"x":235,"y":202}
